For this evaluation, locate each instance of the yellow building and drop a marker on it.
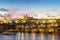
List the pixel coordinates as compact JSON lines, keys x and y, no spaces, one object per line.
{"x":5,"y":20}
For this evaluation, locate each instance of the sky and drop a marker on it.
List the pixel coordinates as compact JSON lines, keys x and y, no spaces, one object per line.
{"x":38,"y":7}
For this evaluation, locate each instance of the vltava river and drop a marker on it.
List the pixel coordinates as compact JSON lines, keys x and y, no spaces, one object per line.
{"x":30,"y":36}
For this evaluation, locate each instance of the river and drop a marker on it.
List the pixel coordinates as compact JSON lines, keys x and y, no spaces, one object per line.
{"x":30,"y":36}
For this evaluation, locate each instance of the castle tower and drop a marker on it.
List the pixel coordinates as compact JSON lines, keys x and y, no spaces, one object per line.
{"x":25,"y":18}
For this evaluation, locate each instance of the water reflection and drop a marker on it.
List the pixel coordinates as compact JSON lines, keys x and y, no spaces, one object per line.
{"x":42,"y":36}
{"x":30,"y":36}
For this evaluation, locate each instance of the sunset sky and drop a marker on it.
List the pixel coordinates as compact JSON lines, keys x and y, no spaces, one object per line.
{"x":31,"y":6}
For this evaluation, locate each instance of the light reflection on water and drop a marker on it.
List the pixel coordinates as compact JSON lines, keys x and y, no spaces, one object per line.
{"x":30,"y":36}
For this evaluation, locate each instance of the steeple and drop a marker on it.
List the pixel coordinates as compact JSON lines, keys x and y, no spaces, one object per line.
{"x":25,"y":18}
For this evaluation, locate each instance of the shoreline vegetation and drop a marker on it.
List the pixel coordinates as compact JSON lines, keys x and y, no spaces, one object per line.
{"x":30,"y":25}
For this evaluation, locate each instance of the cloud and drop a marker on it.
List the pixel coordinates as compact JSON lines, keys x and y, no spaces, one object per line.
{"x":3,"y":9}
{"x":53,"y":10}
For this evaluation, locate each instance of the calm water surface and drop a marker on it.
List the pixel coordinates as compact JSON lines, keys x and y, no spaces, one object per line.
{"x":30,"y":36}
